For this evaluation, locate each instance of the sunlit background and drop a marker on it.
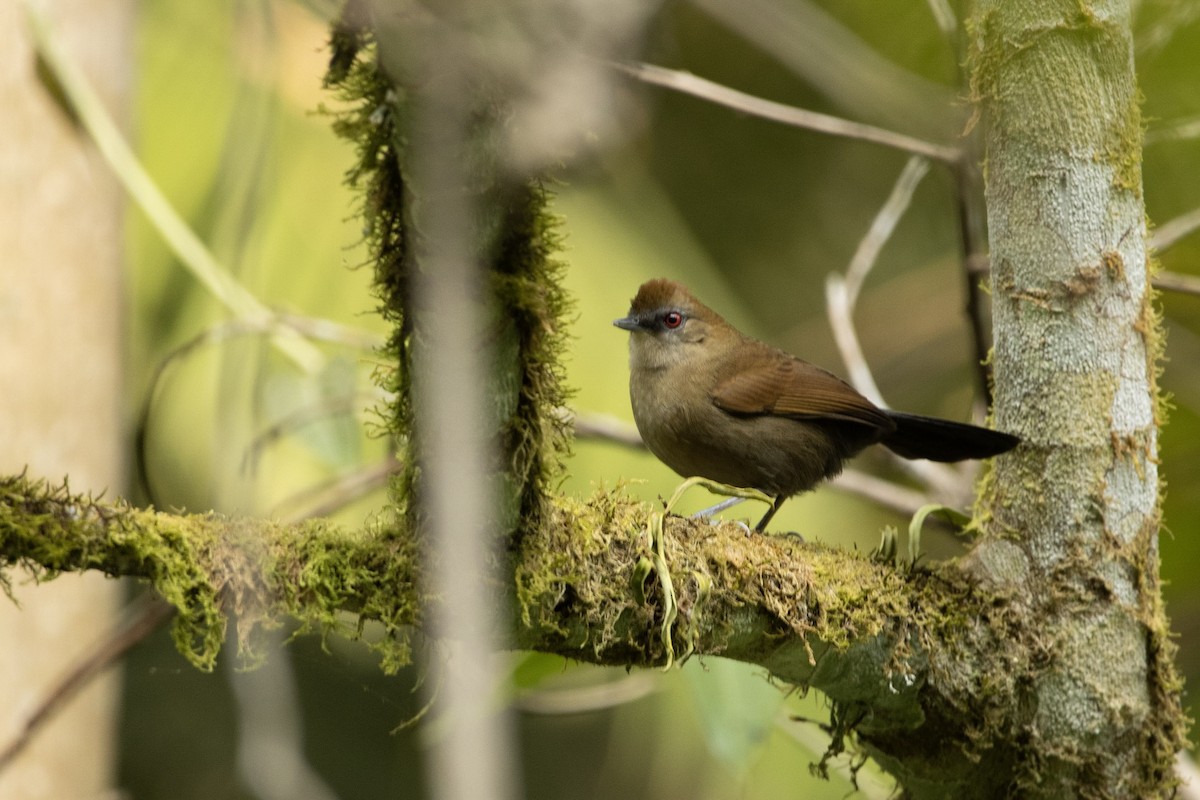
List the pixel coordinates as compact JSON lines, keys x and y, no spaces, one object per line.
{"x":751,"y":214}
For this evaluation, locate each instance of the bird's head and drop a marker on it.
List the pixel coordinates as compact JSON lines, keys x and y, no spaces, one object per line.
{"x":669,"y":326}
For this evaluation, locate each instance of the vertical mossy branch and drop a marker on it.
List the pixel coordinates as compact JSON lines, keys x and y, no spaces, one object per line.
{"x":367,"y":120}
{"x":519,"y":238}
{"x":1073,"y":516}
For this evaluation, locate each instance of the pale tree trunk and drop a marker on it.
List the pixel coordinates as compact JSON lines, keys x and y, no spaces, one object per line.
{"x":60,"y":358}
{"x":1074,"y":522}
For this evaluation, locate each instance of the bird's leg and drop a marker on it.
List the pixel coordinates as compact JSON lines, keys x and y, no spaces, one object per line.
{"x":775,"y":504}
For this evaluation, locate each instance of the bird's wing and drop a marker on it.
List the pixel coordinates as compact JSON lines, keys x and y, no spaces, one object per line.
{"x":784,"y":386}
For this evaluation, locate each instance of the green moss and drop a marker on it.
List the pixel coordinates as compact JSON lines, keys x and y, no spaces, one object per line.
{"x":213,"y":569}
{"x":519,"y":240}
{"x":1036,"y":82}
{"x":559,"y":598}
{"x":802,"y":610}
{"x":526,"y":283}
{"x":1169,"y":734}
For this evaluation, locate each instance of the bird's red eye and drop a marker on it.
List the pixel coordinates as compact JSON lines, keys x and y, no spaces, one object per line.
{"x":672,"y":319}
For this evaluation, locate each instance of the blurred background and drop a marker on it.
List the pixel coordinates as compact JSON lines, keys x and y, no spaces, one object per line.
{"x":751,"y":214}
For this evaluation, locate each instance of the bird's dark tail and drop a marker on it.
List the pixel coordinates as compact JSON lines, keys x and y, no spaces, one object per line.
{"x":942,"y":440}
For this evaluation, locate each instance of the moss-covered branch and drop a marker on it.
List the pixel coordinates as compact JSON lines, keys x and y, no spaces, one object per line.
{"x":813,"y":615}
{"x":213,"y":568}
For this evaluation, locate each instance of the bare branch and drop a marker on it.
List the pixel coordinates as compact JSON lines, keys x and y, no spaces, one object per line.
{"x":841,"y":295}
{"x":1189,"y":776}
{"x":143,"y":617}
{"x":193,"y":254}
{"x":973,"y":236}
{"x":840,"y":307}
{"x":1165,"y":280}
{"x":278,"y":326}
{"x":831,"y":57}
{"x":944,"y":16}
{"x":1175,"y":282}
{"x":1188,"y":128}
{"x":337,"y":492}
{"x":1175,"y":229}
{"x":1157,"y":35}
{"x":578,"y":699}
{"x":604,"y":427}
{"x":687,"y":83}
{"x":883,"y":225}
{"x":884,"y":493}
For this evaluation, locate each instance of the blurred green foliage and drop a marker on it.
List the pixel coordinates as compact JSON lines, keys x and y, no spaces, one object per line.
{"x":751,"y":214}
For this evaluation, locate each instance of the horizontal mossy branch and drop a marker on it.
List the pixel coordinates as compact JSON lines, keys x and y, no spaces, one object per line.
{"x":210,"y":567}
{"x":811,"y":615}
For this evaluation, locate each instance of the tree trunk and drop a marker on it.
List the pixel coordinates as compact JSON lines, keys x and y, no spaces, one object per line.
{"x":1074,"y":521}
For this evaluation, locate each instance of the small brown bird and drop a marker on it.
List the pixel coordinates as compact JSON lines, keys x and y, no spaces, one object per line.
{"x":710,"y":401}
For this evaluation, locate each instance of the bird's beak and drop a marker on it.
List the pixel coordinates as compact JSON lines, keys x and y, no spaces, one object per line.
{"x":627,"y":323}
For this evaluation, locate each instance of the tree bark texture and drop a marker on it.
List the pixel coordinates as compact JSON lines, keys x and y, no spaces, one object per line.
{"x":1072,"y":523}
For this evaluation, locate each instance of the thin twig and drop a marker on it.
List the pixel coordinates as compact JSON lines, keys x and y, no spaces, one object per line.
{"x":1175,"y":229}
{"x":834,"y":59}
{"x":1174,"y":282}
{"x":278,"y":325}
{"x":973,"y":238}
{"x":840,"y":309}
{"x":943,"y":15}
{"x":883,"y":493}
{"x":1179,"y":129}
{"x":883,"y":225}
{"x":336,"y":493}
{"x":1189,"y":776}
{"x":581,"y":699}
{"x":326,"y":409}
{"x":141,"y":619}
{"x":1159,"y":33}
{"x":841,"y":294}
{"x":603,"y":427}
{"x":1164,"y":280}
{"x":687,"y":83}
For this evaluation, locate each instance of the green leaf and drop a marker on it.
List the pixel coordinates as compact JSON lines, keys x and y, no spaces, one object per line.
{"x":951,"y":516}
